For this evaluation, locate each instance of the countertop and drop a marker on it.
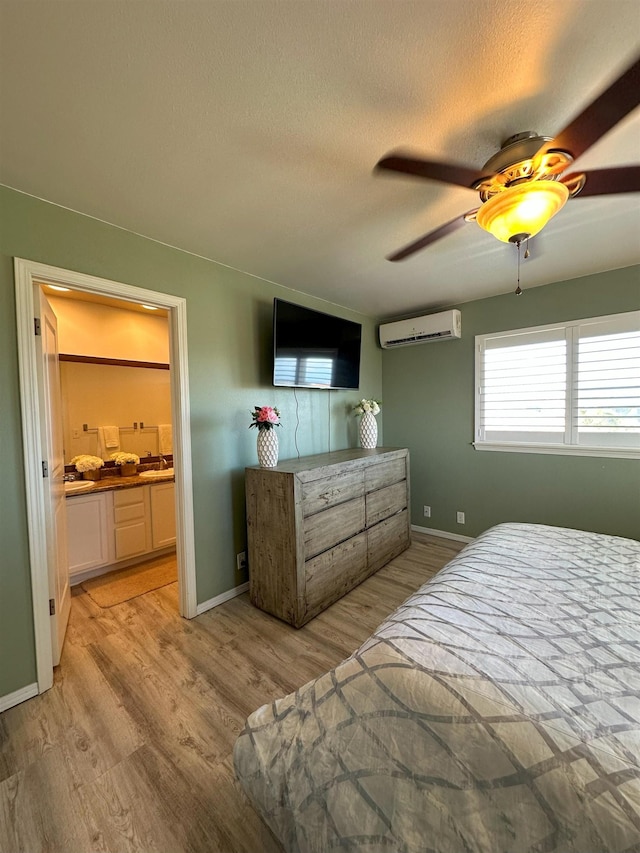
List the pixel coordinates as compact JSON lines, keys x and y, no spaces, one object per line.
{"x":109,"y":484}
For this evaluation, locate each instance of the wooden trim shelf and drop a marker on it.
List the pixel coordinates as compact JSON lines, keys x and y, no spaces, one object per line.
{"x":118,"y":362}
{"x":320,"y":525}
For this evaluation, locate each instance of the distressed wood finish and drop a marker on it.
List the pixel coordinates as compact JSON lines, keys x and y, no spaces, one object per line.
{"x":327,"y":492}
{"x":304,"y":516}
{"x":272,"y":505}
{"x":386,"y":540}
{"x":331,"y":575}
{"x":386,"y":502}
{"x":131,"y":749}
{"x":377,"y":476}
{"x":331,"y":526}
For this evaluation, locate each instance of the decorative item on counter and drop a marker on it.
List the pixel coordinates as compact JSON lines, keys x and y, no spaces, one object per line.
{"x":368,"y":424}
{"x":265,"y":418}
{"x":127,"y":462}
{"x":88,"y":466}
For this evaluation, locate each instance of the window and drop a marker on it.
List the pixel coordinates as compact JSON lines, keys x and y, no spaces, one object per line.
{"x":564,"y":388}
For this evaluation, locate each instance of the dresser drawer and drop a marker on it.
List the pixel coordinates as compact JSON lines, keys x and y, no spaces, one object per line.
{"x":384,"y":474}
{"x":330,"y":491}
{"x":387,"y":539}
{"x":385,"y":502}
{"x":331,"y":526}
{"x":331,"y":575}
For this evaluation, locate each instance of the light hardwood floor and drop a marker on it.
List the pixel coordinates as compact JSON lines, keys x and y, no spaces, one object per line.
{"x":131,"y":748}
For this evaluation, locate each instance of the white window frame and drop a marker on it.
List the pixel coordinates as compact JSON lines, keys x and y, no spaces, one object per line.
{"x":566,"y":448}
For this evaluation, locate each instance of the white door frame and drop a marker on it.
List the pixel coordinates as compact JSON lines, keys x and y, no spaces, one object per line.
{"x":27,"y":273}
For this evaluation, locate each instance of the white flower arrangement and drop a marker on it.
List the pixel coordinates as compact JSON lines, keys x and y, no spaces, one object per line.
{"x":364,"y":406}
{"x":124,"y":458}
{"x":85,"y":462}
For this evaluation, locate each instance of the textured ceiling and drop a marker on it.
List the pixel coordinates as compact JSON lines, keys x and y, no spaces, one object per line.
{"x":247,"y":132}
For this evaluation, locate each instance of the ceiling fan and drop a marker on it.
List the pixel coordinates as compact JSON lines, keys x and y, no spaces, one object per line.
{"x":521,"y":186}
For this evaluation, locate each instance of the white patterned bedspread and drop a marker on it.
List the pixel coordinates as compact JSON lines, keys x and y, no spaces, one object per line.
{"x":498,"y":709}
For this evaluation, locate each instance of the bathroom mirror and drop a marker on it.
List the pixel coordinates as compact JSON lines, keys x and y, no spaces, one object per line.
{"x":98,"y":394}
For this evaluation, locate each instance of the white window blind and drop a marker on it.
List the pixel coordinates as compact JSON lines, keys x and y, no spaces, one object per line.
{"x":571,"y":387}
{"x":607,"y":384}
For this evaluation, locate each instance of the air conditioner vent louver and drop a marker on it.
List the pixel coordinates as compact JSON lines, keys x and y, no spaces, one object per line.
{"x":432,"y":327}
{"x":416,"y":339}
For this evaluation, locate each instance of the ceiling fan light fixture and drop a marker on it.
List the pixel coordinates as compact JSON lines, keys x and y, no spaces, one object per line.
{"x":521,"y":211}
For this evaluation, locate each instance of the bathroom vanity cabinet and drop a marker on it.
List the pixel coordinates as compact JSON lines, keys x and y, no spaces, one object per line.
{"x":107,"y":528}
{"x":89,"y":543}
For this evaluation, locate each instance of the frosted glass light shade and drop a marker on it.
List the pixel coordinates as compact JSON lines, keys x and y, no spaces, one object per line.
{"x":521,"y":211}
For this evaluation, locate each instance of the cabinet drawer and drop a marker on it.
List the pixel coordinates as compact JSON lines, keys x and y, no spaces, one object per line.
{"x":384,"y":474}
{"x":387,"y":539}
{"x":386,"y":502}
{"x":331,"y":575}
{"x":133,"y":512}
{"x":125,"y":497}
{"x":329,"y":491}
{"x":326,"y":529}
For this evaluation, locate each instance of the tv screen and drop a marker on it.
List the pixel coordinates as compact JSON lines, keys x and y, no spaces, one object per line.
{"x":314,"y":350}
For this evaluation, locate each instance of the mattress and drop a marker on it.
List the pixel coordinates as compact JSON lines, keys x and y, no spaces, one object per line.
{"x":497,"y":709}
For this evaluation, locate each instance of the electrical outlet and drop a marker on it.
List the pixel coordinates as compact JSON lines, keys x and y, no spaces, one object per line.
{"x":460,"y":517}
{"x":427,"y":512}
{"x":76,"y":433}
{"x":241,"y":561}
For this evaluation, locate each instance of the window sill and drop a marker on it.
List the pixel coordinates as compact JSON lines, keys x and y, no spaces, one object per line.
{"x":559,"y":449}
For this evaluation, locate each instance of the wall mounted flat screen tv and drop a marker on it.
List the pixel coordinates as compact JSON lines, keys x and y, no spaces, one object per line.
{"x":314,"y":350}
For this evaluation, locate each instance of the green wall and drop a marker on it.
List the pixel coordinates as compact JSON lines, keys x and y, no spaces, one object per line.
{"x":427,"y":392}
{"x":229,"y":332}
{"x":429,"y":407}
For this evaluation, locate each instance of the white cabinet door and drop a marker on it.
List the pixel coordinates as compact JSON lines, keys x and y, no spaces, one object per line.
{"x":131,"y":522}
{"x":163,"y":515}
{"x":88,"y":542}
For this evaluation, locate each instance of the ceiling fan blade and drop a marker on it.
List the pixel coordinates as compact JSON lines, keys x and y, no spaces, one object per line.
{"x":431,"y":237}
{"x":622,"y":179}
{"x":600,"y":116}
{"x":434,"y":170}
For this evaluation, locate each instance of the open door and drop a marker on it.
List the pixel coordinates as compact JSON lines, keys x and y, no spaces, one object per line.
{"x":36,"y":438}
{"x":54,"y":495}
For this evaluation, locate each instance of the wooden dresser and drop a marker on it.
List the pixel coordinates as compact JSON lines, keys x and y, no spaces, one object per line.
{"x":320,"y":525}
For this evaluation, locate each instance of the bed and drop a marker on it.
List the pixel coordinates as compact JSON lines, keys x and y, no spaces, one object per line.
{"x":497,"y":709}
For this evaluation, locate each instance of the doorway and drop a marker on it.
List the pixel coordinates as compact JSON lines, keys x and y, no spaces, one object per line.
{"x":27,"y":275}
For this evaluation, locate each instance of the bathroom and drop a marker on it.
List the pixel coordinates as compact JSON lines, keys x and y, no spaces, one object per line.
{"x":116,"y":398}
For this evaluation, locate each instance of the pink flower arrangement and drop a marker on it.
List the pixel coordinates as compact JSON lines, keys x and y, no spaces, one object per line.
{"x":265,"y":417}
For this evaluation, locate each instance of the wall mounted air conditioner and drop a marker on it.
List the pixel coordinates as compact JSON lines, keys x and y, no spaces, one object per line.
{"x":445,"y":326}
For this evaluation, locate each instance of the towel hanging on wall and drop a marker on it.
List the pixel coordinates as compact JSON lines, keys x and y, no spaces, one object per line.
{"x":108,"y":441}
{"x":165,"y":439}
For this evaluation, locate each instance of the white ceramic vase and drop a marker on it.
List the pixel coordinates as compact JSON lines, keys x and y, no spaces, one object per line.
{"x":267,"y":448}
{"x":368,"y":431}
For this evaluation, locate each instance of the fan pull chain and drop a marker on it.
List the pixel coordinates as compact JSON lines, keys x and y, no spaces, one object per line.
{"x":518,"y":288}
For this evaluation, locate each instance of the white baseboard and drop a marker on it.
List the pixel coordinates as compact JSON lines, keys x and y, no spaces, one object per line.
{"x":443,"y":533}
{"x":18,"y":696}
{"x":220,"y":599}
